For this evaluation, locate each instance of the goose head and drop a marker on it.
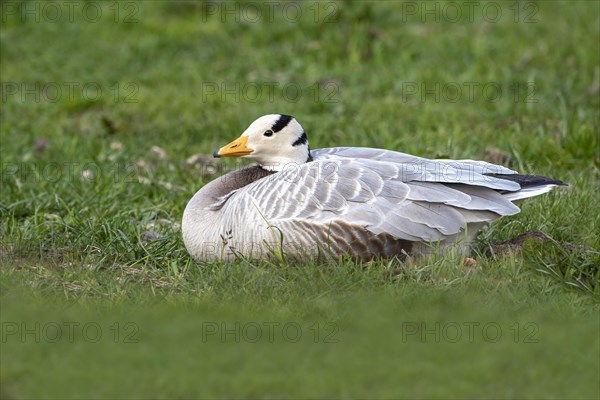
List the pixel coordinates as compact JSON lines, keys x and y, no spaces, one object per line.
{"x":274,"y":141}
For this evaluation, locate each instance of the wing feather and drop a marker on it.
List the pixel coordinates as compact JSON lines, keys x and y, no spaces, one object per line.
{"x":383,"y":192}
{"x":413,"y":168}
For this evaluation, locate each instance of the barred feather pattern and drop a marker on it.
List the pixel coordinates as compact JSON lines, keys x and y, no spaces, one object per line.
{"x":361,"y":202}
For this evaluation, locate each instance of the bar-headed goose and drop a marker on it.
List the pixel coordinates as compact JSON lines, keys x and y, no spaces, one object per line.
{"x":362,"y":202}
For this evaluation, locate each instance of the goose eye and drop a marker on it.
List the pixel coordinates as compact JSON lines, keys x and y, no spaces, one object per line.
{"x":269,"y":133}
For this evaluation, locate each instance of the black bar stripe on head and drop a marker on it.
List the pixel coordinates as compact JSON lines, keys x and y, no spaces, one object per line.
{"x":281,"y":123}
{"x":301,"y":140}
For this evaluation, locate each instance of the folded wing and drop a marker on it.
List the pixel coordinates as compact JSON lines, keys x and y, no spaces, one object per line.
{"x":383,"y":192}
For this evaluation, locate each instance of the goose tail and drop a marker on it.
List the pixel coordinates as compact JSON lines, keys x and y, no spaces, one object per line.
{"x":531,"y":185}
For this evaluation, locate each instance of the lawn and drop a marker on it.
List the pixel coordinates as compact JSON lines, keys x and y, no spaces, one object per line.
{"x":108,"y":108}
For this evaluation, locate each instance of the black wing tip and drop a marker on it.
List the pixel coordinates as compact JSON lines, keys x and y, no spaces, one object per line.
{"x":527,"y":180}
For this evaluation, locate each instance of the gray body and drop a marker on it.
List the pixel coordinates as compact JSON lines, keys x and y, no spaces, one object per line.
{"x":361,"y":202}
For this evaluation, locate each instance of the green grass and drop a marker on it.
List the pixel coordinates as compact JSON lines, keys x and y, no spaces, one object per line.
{"x":89,"y":225}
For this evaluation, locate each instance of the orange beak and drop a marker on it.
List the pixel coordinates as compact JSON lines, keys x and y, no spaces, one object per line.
{"x":237,"y":148}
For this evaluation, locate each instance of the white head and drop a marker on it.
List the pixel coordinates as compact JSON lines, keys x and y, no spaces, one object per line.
{"x":273,"y":141}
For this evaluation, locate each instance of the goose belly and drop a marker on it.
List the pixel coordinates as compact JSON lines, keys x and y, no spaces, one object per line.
{"x":212,"y":236}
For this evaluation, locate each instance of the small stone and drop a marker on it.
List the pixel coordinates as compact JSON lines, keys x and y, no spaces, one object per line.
{"x":115,"y":145}
{"x":170,"y":186}
{"x":41,"y":145}
{"x":87,"y":175}
{"x":198,"y":159}
{"x":159,"y":153}
{"x":149,"y":236}
{"x":141,"y":163}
